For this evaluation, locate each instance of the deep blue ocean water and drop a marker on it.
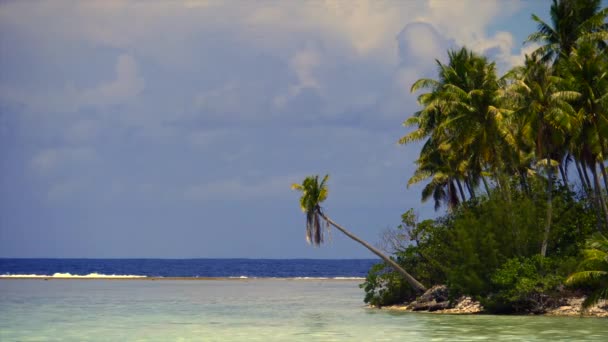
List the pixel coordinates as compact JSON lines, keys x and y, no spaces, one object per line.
{"x":251,"y":268}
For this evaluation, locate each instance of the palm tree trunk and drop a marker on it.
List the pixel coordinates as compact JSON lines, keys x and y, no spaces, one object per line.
{"x":523,"y":181}
{"x":543,"y":248}
{"x":470,"y":188}
{"x":604,"y":174}
{"x":598,"y":194}
{"x":485,"y":184}
{"x":461,"y":191}
{"x":411,"y":280}
{"x":564,"y":176}
{"x":584,"y":167}
{"x":580,"y":175}
{"x":452,"y":195}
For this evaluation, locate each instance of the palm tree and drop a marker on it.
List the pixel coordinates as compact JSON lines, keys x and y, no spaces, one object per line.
{"x":587,"y":70}
{"x":547,"y":119}
{"x":315,"y":192}
{"x":570,"y":21}
{"x":595,"y":270}
{"x":435,"y":162}
{"x":460,"y":120}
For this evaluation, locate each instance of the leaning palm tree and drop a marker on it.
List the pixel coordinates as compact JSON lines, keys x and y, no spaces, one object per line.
{"x":595,"y":271}
{"x":315,"y":192}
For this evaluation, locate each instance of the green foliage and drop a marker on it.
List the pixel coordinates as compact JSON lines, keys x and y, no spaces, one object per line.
{"x":313,"y":194}
{"x":383,"y":286}
{"x":516,"y":135}
{"x":486,"y":236}
{"x":524,"y":284}
{"x":488,"y":249}
{"x":420,"y":255}
{"x":593,"y":270}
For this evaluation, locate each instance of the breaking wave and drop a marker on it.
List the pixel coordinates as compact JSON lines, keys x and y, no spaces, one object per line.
{"x":73,"y":276}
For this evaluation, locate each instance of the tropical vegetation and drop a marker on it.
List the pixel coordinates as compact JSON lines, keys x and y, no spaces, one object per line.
{"x":518,"y":161}
{"x":315,"y":192}
{"x":594,"y":270}
{"x":523,"y":228}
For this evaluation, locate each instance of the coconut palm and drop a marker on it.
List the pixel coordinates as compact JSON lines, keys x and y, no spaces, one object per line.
{"x":595,"y":270}
{"x":315,"y":192}
{"x":570,"y":21}
{"x":444,"y":170}
{"x":587,"y":70}
{"x":547,"y":119}
{"x":460,"y":121}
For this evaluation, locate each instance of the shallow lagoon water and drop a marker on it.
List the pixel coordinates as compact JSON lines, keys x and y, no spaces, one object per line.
{"x":247,"y":310}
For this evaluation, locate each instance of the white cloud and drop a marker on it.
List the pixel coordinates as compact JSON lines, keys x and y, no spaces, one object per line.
{"x":316,"y":40}
{"x":303,"y":64}
{"x":124,"y":88}
{"x":127,"y":85}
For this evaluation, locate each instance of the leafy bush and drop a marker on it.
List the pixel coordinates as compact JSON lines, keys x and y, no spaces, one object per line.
{"x":489,"y":249}
{"x":383,"y":287}
{"x":524,"y":284}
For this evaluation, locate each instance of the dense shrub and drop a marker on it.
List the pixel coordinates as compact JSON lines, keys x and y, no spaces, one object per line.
{"x":525,"y":284}
{"x":489,"y":249}
{"x":384,"y":287}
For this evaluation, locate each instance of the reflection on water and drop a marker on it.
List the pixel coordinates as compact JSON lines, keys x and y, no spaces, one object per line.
{"x":254,"y":310}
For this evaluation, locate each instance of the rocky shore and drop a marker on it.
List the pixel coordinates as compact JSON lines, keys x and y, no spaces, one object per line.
{"x":436,"y":300}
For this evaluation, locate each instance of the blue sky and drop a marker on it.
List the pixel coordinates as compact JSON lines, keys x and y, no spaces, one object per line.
{"x":175,"y":128}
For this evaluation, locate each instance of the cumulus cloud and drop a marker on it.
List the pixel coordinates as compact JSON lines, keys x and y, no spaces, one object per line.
{"x":153,"y":71}
{"x":126,"y":85}
{"x":303,"y":64}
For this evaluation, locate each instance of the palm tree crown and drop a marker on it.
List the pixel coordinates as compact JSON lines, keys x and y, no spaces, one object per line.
{"x":313,"y":193}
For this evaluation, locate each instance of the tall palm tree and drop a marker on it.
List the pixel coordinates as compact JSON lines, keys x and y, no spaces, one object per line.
{"x":459,"y":119}
{"x":570,"y":20}
{"x":547,"y":118}
{"x":595,"y":270}
{"x":315,"y":192}
{"x":587,"y":70}
{"x":444,"y":170}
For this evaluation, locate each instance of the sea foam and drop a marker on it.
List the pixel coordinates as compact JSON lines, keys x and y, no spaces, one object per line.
{"x":73,"y":276}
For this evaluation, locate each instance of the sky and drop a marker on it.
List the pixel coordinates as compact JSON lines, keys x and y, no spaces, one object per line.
{"x":174,"y":129}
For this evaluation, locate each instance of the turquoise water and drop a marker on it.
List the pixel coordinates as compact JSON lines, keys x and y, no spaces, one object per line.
{"x":246,"y":310}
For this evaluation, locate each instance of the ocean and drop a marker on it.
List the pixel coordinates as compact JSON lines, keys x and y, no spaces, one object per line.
{"x":189,"y":268}
{"x":320,"y":302}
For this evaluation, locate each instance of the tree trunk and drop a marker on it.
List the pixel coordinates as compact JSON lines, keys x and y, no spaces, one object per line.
{"x":485,"y":184}
{"x":604,"y":174}
{"x":598,"y":194}
{"x":470,"y":188}
{"x":452,"y":195}
{"x":543,"y":248}
{"x":464,"y":199}
{"x":580,"y":175}
{"x":584,"y":167}
{"x":564,"y":176}
{"x":523,"y":182}
{"x":411,"y":280}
